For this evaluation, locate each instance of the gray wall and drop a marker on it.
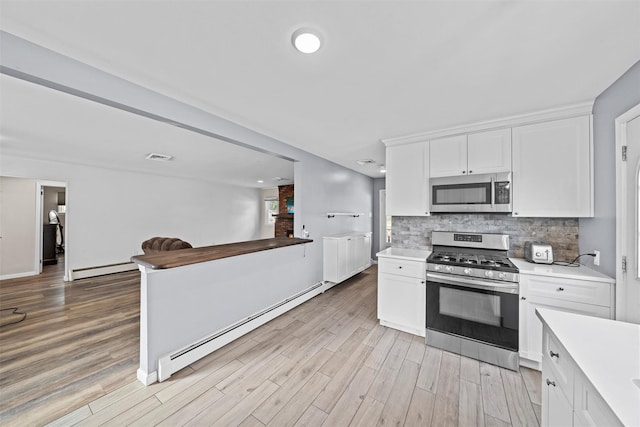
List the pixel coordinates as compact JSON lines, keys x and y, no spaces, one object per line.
{"x":378,"y":184}
{"x":600,"y":232}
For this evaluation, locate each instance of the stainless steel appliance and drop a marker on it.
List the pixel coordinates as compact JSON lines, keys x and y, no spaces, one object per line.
{"x":472,"y":297}
{"x":538,"y":252}
{"x":471,"y":193}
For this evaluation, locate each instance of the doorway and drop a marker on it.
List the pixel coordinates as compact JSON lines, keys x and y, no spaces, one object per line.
{"x":51,"y":228}
{"x":628,"y":217}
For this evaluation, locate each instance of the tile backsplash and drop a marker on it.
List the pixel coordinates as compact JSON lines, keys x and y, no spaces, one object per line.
{"x":561,"y":233}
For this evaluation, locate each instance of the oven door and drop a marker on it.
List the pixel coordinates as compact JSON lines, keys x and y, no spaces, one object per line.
{"x":481,"y":313}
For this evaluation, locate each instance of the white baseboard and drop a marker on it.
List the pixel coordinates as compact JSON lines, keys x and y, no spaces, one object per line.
{"x":528,"y":363}
{"x":421,"y":332}
{"x":171,"y":363}
{"x":83,"y":273}
{"x":18,"y":275}
{"x":145,"y":378}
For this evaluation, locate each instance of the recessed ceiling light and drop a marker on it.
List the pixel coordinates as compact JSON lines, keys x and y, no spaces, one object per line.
{"x":260,"y":181}
{"x":306,"y":40}
{"x":383,"y":169}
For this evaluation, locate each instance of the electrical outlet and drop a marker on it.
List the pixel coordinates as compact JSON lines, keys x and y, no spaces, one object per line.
{"x":596,"y":259}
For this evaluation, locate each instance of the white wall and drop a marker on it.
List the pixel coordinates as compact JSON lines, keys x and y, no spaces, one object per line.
{"x":110,"y":212}
{"x":17,"y":227}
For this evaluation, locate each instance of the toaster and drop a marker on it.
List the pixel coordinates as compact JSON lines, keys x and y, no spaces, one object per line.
{"x":538,"y":252}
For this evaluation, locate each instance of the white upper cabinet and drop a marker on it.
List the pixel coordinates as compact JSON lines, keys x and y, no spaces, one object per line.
{"x":489,"y":152}
{"x":552,"y":169}
{"x":448,"y":156}
{"x":407,"y":179}
{"x":475,"y":153}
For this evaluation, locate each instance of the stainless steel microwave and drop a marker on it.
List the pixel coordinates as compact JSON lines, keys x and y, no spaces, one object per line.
{"x":471,"y":193}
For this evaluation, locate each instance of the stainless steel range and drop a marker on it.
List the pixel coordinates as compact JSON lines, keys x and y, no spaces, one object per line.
{"x":472,"y":297}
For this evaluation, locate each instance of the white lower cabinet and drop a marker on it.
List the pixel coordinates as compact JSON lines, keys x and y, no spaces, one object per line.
{"x":345,"y":255}
{"x":557,"y":386}
{"x":402,"y":295}
{"x":590,"y":410}
{"x":588,"y":297}
{"x":568,"y":398}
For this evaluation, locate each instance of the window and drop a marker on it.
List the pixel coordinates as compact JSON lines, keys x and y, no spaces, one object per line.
{"x":270,"y":209}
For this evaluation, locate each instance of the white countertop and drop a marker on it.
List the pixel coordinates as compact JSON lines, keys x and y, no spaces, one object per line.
{"x":349,"y":233}
{"x":580,"y":273}
{"x":608,"y":354}
{"x":406,"y":254}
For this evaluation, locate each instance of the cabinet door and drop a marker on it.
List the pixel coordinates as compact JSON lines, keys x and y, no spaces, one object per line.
{"x":365,"y":252}
{"x":354,"y":248}
{"x":489,"y":152}
{"x":552,"y":174}
{"x":556,"y":409}
{"x":401,"y":302}
{"x":532,"y":348}
{"x":448,"y":156}
{"x":407,"y":179}
{"x":342,"y":259}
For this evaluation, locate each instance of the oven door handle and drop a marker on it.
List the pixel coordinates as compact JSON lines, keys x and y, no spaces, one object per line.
{"x":511,"y":288}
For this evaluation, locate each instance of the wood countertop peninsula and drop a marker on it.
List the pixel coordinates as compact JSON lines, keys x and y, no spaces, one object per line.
{"x":181,"y":257}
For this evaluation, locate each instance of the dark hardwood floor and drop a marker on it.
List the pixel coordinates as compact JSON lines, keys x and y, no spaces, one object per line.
{"x":79,"y":341}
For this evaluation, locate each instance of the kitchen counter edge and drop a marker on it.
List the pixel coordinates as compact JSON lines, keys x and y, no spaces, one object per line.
{"x":182,"y":257}
{"x":405,"y":254}
{"x":580,"y":273}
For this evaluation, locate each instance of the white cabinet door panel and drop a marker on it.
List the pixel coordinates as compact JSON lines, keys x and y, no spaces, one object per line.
{"x":402,"y":301}
{"x":448,"y":156}
{"x":489,"y":152}
{"x":552,"y":169}
{"x":407,"y":178}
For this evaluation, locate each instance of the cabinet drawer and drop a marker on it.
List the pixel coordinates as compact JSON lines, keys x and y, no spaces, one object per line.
{"x":590,"y":408}
{"x":584,"y":291}
{"x":556,"y":360}
{"x":400,"y":267}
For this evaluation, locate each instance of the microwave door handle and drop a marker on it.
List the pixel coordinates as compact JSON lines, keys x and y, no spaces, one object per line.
{"x":493,"y":193}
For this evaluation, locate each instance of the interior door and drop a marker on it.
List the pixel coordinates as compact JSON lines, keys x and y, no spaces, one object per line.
{"x":628,"y":217}
{"x":629,"y":298}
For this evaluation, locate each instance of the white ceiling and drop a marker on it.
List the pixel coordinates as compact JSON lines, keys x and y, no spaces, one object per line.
{"x":42,"y":123}
{"x":386,"y":69}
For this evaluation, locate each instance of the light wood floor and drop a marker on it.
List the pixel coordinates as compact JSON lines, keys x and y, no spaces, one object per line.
{"x":327,"y":362}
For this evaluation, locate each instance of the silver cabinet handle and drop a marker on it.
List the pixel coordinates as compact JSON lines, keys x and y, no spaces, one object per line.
{"x":553,"y":383}
{"x":552,"y":354}
{"x":560,"y":289}
{"x":523,"y":298}
{"x":463,"y":172}
{"x":400,"y":267}
{"x":423,"y":282}
{"x":470,"y":171}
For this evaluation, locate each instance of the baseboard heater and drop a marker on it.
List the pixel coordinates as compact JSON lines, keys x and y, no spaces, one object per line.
{"x":171,"y":363}
{"x":101,"y":270}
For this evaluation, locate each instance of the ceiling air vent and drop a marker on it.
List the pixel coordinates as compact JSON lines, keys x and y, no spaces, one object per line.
{"x":159,"y":157}
{"x":366,"y":162}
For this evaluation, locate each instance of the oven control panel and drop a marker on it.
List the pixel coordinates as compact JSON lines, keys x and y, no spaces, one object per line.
{"x":503,"y":276}
{"x":475,"y":238}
